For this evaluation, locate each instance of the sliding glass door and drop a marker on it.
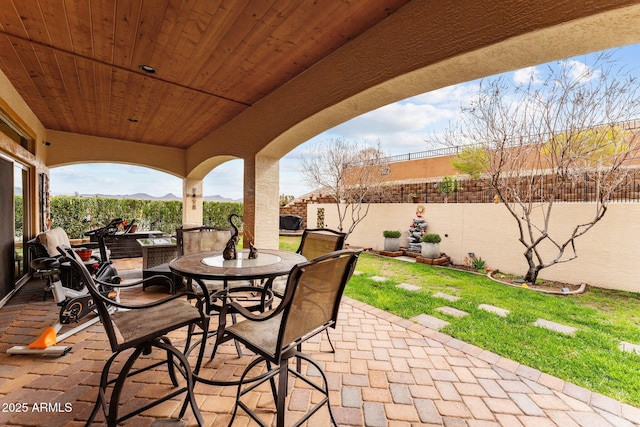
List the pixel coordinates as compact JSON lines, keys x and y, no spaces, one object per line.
{"x":14,"y":224}
{"x":21,"y":223}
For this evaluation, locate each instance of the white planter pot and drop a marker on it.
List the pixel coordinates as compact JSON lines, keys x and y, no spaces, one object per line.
{"x":430,"y":250}
{"x":391,"y":244}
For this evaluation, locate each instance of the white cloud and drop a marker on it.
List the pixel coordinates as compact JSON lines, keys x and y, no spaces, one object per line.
{"x":579,"y":71}
{"x":527,"y":75}
{"x":291,"y":181}
{"x":450,"y":97}
{"x":226,"y":180}
{"x":404,"y":126}
{"x":388,"y":120}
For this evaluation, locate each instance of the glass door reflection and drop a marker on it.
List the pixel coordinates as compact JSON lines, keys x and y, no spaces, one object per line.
{"x":20,"y":209}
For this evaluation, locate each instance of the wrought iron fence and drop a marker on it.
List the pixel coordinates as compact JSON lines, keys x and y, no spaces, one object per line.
{"x":449,"y":151}
{"x":436,"y":152}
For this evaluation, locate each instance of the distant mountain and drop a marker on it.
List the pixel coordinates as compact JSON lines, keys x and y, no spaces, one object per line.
{"x":168,"y":196}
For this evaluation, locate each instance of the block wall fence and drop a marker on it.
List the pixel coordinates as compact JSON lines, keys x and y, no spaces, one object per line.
{"x":607,"y":254}
{"x":473,"y":191}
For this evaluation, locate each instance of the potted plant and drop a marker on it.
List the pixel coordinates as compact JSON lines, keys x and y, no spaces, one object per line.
{"x":431,"y":245}
{"x":391,"y":240}
{"x":449,"y":185}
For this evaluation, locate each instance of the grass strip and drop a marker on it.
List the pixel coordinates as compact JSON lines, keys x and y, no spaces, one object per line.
{"x":590,"y":358}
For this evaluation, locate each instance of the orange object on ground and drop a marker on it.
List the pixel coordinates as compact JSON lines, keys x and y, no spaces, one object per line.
{"x":47,"y":339}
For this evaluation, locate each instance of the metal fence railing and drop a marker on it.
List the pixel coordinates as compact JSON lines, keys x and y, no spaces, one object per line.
{"x":436,"y":152}
{"x":449,"y":151}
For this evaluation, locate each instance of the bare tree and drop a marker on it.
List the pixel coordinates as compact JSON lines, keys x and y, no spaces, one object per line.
{"x":571,"y":129}
{"x":351,"y":173}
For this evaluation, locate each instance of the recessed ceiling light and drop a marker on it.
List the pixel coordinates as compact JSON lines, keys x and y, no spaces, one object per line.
{"x":147,"y":69}
{"x":133,"y":120}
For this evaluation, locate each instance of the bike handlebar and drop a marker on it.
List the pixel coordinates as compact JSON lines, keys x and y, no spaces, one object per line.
{"x":110,"y":228}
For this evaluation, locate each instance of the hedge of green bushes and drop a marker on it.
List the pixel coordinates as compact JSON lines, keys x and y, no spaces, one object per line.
{"x":76,"y":215}
{"x":18,"y":207}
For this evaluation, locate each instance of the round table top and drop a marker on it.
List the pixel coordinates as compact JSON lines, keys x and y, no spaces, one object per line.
{"x":211,"y":265}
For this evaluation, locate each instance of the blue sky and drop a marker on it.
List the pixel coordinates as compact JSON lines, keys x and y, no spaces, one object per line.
{"x":401,"y":127}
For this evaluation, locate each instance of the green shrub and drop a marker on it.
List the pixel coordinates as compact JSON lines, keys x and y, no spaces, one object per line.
{"x":393,"y":234}
{"x":431,"y":238}
{"x":217,"y":214}
{"x":19,"y":206}
{"x":478,"y":264}
{"x":76,"y":215}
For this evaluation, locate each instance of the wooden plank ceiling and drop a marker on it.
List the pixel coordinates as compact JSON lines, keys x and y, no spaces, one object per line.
{"x":76,"y":62}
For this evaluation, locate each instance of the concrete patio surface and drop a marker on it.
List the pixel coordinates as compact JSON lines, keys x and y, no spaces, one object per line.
{"x":386,"y":371}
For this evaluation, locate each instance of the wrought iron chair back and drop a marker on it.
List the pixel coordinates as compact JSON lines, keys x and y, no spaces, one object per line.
{"x":142,"y":327}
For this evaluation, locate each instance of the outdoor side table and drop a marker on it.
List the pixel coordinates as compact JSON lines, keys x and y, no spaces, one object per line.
{"x":157,"y":250}
{"x":156,"y":253}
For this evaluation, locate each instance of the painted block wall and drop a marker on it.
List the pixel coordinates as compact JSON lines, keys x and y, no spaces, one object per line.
{"x":608,"y":254}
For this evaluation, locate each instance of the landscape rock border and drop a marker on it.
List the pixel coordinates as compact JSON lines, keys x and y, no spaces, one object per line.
{"x":445,"y":262}
{"x":580,"y":289}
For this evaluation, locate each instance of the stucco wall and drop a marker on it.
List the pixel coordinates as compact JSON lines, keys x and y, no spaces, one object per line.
{"x":608,"y":253}
{"x":17,"y":112}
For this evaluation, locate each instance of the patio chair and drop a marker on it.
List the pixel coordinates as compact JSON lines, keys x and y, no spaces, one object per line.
{"x":315,"y":242}
{"x":319,"y":241}
{"x":142,"y":328}
{"x":202,"y":239}
{"x":310,"y":305}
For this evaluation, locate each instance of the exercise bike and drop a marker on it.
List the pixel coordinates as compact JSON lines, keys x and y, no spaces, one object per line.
{"x":104,"y":270}
{"x":71,"y":294}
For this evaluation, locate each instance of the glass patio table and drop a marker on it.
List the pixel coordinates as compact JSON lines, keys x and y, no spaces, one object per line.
{"x":203,"y":266}
{"x":267,"y":266}
{"x":212,"y":266}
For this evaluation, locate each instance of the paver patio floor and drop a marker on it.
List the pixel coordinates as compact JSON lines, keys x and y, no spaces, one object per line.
{"x":386,"y":371}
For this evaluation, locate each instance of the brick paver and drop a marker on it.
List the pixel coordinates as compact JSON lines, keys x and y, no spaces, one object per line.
{"x":430,"y":322}
{"x":386,"y":371}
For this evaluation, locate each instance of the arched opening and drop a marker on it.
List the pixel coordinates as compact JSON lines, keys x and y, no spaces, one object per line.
{"x":225,"y":182}
{"x":114,"y":179}
{"x":411,"y":125}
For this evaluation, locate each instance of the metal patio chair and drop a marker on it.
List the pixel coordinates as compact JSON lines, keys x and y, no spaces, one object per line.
{"x":316,"y":242}
{"x":310,"y":305}
{"x":143,"y":328}
{"x":204,"y":238}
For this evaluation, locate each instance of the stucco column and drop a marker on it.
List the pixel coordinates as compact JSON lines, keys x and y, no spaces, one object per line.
{"x":192,"y":206}
{"x":261,"y":201}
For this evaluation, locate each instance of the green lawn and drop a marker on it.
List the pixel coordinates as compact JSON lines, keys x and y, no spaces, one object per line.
{"x":590,"y":358}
